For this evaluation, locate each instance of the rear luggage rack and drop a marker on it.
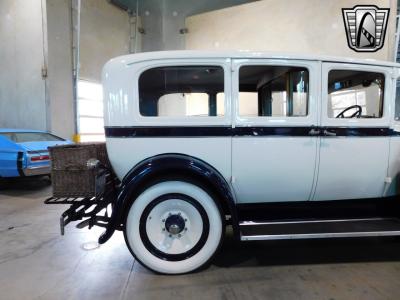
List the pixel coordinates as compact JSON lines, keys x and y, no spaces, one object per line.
{"x":82,"y":178}
{"x":94,"y":211}
{"x":76,"y":170}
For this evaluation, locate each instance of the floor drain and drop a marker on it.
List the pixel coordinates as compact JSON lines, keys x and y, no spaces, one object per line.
{"x":90,"y":246}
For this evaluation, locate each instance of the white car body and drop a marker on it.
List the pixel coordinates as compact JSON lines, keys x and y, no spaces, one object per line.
{"x":270,"y":167}
{"x":276,"y":146}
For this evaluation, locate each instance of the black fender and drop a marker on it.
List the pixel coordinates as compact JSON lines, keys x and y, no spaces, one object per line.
{"x":169,"y":164}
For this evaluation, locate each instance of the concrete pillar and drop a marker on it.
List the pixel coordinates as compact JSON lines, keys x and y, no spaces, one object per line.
{"x":60,"y":83}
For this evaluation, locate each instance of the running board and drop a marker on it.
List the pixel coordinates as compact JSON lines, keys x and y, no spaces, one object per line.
{"x":323,"y":228}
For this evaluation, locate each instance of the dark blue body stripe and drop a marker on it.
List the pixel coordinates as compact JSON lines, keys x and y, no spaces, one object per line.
{"x":220,"y":131}
{"x":167,"y":131}
{"x":366,"y":131}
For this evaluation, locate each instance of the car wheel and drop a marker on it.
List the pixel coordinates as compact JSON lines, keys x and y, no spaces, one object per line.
{"x":174,"y":227}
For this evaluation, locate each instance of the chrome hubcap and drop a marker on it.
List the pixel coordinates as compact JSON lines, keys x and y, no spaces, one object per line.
{"x":175,"y":224}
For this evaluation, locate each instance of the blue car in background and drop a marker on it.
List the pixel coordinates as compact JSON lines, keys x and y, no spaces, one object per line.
{"x":25,"y":153}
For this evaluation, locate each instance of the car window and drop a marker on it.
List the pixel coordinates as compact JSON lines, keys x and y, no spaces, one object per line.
{"x":8,"y":135}
{"x":355,"y":94}
{"x":22,"y":137}
{"x":182,"y":91}
{"x":183,"y":104}
{"x":273,"y":91}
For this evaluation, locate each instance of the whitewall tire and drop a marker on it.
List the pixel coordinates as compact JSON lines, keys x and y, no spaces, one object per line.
{"x":174,"y":227}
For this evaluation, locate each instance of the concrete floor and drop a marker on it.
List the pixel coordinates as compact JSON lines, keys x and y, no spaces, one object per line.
{"x":37,"y":263}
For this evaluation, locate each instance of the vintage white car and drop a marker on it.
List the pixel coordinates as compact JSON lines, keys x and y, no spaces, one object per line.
{"x":278,"y":146}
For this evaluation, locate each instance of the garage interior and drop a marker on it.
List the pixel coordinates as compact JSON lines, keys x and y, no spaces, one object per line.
{"x":51,"y":59}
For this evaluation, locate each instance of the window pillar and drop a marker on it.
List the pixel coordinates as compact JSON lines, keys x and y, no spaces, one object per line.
{"x":212,"y":104}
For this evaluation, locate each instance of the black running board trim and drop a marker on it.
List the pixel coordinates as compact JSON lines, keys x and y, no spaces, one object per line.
{"x":324,"y":228}
{"x":318,"y":235}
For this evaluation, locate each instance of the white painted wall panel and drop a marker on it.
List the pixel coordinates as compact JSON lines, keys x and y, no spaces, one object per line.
{"x":22,"y":89}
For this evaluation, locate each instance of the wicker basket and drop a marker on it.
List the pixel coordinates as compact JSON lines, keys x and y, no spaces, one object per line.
{"x":71,"y":176}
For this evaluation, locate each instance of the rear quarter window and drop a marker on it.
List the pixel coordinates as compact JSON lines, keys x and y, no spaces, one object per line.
{"x":182,"y":91}
{"x":23,"y":137}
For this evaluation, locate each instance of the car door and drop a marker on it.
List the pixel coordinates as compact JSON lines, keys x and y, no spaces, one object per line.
{"x":354,"y":150}
{"x":274,"y":144}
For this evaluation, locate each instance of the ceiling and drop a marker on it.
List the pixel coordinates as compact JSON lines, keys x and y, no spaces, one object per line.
{"x":197,"y":6}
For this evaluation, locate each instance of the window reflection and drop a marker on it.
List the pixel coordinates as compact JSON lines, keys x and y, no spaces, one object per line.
{"x":182,"y":91}
{"x":347,"y":88}
{"x":273,"y":91}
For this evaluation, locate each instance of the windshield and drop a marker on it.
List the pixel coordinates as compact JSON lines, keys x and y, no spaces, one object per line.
{"x":23,"y":137}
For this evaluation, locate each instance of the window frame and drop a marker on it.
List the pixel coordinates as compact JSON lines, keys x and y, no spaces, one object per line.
{"x":356,"y":122}
{"x":224,"y":63}
{"x":311,"y":119}
{"x":396,"y":78}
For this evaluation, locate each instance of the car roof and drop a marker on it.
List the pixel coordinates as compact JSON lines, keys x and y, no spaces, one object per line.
{"x":177,"y":54}
{"x":7,"y":130}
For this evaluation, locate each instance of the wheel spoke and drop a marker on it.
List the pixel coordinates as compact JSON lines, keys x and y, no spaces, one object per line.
{"x":166,"y":243}
{"x":186,"y":241}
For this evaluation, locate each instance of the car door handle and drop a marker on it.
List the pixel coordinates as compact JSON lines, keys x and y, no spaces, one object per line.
{"x":329,"y":133}
{"x":314,"y":131}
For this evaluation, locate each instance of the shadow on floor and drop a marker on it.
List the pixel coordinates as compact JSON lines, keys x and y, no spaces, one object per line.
{"x":24,"y":186}
{"x":298,"y":252}
{"x":265,"y":253}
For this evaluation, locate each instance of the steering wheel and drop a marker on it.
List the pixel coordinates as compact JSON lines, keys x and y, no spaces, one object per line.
{"x":356,"y":114}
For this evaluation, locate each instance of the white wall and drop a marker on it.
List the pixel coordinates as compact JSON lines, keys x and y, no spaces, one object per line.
{"x":302,"y":26}
{"x":104,"y":35}
{"x":163,"y":19}
{"x":26,"y":99}
{"x":28,"y":44}
{"x":22,"y":89}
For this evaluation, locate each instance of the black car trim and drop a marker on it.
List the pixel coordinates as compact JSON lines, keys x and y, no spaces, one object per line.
{"x":167,"y":131}
{"x":20,"y":160}
{"x":38,"y":151}
{"x":228,"y":131}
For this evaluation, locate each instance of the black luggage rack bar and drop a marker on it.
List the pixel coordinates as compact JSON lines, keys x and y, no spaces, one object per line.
{"x":94,"y":211}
